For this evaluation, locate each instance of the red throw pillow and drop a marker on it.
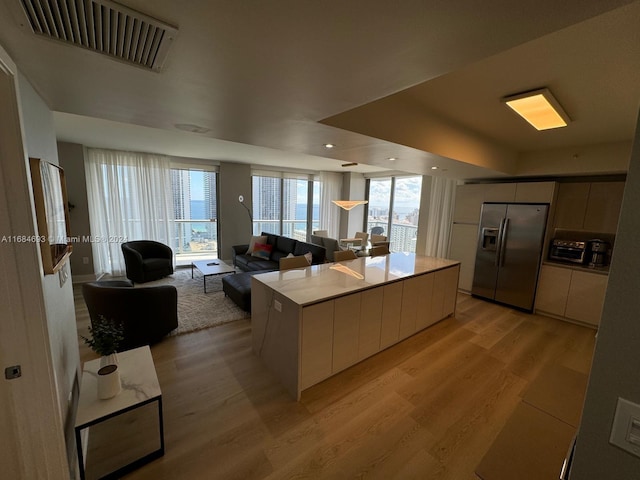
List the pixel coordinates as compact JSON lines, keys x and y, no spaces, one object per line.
{"x":262,"y":250}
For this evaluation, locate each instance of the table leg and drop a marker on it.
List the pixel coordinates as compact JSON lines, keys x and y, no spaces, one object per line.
{"x":191,"y":269}
{"x":204,"y":282}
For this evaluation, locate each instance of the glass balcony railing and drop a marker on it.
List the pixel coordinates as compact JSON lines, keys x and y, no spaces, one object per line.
{"x":402,"y":238}
{"x":196,"y":237}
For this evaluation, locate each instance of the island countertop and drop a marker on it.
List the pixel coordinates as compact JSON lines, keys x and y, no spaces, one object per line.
{"x":325,"y":281}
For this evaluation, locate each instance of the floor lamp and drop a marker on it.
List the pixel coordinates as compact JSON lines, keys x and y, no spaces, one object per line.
{"x":241,"y":200}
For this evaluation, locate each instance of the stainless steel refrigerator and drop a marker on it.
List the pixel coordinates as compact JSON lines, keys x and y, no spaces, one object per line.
{"x":510,"y":240}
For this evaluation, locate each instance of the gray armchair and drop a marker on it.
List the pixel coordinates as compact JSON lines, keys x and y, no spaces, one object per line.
{"x":146,"y":313}
{"x":147,"y":260}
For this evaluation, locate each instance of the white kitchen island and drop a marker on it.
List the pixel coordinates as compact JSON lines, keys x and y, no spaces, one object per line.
{"x":309,"y":324}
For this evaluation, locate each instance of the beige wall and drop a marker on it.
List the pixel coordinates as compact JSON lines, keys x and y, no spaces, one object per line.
{"x":235,"y":225}
{"x":588,"y":160}
{"x":616,"y":364}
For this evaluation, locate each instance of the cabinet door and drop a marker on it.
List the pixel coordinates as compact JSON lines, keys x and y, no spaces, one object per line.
{"x":553,"y":288}
{"x":317,"y":343}
{"x":346,"y":325}
{"x":423,"y":314}
{"x":410,"y":295}
{"x":469,"y":199}
{"x":449,"y":277}
{"x":499,"y":192}
{"x":535,"y":192}
{"x":586,"y":297}
{"x":370,"y":322}
{"x":571,"y":205}
{"x":464,"y":240}
{"x":603,"y":207}
{"x":391,"y":305}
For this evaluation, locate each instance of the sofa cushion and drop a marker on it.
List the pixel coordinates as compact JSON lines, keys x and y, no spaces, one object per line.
{"x":262,"y":250}
{"x":286,"y":244}
{"x":256,"y":239}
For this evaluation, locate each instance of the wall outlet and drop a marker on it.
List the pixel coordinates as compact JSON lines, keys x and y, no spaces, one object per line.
{"x":277,"y":306}
{"x":85,"y":260}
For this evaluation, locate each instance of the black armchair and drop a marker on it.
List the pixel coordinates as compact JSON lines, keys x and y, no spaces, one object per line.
{"x":147,"y":314}
{"x":146,"y":260}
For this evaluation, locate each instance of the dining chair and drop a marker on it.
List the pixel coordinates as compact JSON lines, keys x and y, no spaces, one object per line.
{"x":344,"y":255}
{"x":379,"y":251}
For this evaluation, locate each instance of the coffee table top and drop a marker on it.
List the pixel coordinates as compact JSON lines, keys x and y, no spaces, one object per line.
{"x":213,"y":267}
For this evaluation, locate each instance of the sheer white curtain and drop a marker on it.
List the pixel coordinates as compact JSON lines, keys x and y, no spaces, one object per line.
{"x":441,"y":204}
{"x":130,"y":198}
{"x":331,"y":189}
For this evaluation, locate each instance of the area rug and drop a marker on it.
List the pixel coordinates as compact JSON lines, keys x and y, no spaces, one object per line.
{"x":196,"y":309}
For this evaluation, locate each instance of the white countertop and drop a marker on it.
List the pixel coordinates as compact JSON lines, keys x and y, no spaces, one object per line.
{"x":321,"y":282}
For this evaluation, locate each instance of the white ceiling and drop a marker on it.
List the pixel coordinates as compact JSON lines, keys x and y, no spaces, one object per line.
{"x":264,"y":74}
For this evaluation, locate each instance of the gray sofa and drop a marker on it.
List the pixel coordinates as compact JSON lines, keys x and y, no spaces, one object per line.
{"x":282,"y":246}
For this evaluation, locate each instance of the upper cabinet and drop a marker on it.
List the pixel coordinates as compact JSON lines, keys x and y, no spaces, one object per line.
{"x":593,"y":207}
{"x":470,"y":197}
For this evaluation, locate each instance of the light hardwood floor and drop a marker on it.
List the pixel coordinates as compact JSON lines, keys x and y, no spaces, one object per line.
{"x":427,"y":408}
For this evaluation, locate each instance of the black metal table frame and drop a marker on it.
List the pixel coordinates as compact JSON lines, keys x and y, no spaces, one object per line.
{"x":136,"y":463}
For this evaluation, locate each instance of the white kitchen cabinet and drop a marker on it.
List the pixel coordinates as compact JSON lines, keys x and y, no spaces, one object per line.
{"x":586,"y":297}
{"x":391,"y":307}
{"x":464,"y":241}
{"x":572,"y":294}
{"x":317,"y":343}
{"x":535,"y":192}
{"x":443,"y":299}
{"x":410,"y":294}
{"x":346,"y":330}
{"x":423,"y":314}
{"x":469,"y":198}
{"x":371,"y":323}
{"x":591,"y":207}
{"x":553,"y":290}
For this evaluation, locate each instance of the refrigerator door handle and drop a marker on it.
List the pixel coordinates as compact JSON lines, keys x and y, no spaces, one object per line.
{"x":503,"y":239}
{"x":499,"y":243}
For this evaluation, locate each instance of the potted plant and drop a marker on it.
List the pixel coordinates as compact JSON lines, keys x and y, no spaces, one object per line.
{"x":106,"y":336}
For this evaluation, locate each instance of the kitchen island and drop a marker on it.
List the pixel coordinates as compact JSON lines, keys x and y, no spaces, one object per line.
{"x":309,"y":324}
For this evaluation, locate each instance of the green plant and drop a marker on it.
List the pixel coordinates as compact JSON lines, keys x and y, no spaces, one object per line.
{"x":106,"y":336}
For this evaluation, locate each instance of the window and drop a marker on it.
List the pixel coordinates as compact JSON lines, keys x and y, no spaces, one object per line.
{"x":285,"y":206}
{"x":195,"y":211}
{"x":393,"y":210}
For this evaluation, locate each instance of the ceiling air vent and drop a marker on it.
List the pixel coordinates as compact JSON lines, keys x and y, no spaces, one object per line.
{"x":104,"y":27}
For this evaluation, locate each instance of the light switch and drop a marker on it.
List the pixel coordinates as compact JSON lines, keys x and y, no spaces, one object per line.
{"x":625,"y":432}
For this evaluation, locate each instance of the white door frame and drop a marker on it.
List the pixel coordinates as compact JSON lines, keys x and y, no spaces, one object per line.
{"x":32,"y":443}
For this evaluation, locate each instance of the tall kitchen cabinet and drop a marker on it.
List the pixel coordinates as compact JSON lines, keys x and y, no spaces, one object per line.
{"x":466,"y":217}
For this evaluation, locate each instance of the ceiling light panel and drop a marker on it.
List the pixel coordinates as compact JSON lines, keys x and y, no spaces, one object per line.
{"x":104,"y":27}
{"x":539,"y":108}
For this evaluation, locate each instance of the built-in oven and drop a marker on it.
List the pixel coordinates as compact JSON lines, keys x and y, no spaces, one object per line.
{"x":568,"y":250}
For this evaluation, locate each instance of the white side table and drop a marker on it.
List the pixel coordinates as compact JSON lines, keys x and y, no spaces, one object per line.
{"x":140,"y":387}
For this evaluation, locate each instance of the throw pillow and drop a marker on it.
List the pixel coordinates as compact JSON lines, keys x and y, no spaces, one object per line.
{"x":262,"y":250}
{"x":254,"y":240}
{"x":309,"y":257}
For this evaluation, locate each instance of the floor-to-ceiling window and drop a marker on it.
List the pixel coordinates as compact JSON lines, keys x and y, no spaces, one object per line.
{"x":195,"y":212}
{"x":284,"y":204}
{"x":393,"y":210}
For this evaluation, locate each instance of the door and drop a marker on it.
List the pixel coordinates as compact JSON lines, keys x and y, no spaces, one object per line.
{"x":489,"y":234}
{"x":519,"y":258}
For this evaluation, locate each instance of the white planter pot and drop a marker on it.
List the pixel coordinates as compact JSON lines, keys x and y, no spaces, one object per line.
{"x":108,"y":377}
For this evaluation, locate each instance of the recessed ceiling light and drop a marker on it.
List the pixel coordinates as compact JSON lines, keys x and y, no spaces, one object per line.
{"x":539,"y":108}
{"x":392,"y":159}
{"x":329,"y":145}
{"x":434,"y":168}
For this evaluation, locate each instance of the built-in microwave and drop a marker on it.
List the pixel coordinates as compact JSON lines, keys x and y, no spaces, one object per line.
{"x":568,"y":251}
